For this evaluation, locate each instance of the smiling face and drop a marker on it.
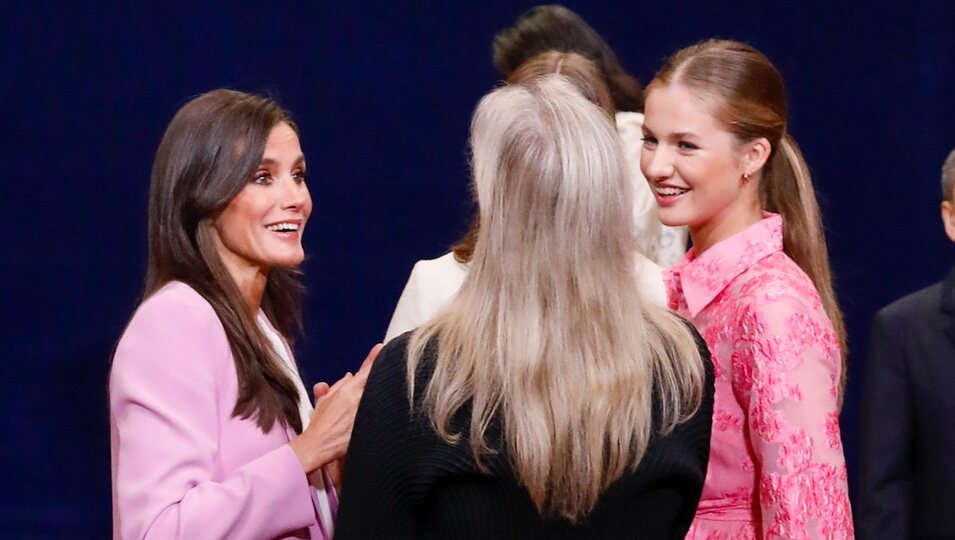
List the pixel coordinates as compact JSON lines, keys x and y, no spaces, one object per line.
{"x":262,"y":226}
{"x":695,"y":166}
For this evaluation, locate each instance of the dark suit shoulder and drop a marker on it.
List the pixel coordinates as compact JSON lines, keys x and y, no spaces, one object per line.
{"x":913,"y":307}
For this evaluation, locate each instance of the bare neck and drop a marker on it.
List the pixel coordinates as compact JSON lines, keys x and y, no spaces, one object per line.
{"x":707,"y":234}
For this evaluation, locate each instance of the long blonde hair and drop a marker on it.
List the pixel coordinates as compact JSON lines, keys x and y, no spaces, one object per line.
{"x":549,"y":335}
{"x":579,"y":71}
{"x":750,"y":99}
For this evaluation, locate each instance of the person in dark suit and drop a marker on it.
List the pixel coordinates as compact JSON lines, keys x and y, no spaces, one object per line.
{"x":907,"y":474}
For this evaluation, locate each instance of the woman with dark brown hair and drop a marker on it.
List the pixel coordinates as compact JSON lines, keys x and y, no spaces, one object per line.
{"x":757,"y":286}
{"x":213,"y":434}
{"x":555,"y":28}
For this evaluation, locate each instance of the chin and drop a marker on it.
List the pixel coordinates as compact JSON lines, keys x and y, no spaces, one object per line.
{"x":673,"y":219}
{"x":287,"y":260}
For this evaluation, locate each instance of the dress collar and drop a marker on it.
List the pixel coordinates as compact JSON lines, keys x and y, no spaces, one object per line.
{"x":699,"y":279}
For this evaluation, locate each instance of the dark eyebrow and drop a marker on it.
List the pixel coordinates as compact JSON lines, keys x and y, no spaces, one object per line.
{"x":269,"y":161}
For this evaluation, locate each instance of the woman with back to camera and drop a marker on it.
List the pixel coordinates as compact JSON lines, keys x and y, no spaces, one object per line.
{"x":757,"y":285}
{"x":586,"y":77}
{"x":541,"y":29}
{"x":213,"y":432}
{"x":549,"y":399}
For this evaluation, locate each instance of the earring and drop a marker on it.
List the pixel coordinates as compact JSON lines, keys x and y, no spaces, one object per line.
{"x":744,"y":180}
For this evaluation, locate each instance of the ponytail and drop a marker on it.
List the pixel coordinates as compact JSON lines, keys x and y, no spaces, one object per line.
{"x":786,"y":189}
{"x":750,"y":99}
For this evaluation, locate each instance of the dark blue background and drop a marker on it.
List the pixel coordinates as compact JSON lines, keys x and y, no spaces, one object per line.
{"x":383,"y":95}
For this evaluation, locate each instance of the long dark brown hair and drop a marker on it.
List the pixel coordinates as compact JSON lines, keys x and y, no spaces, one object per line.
{"x":206,"y":157}
{"x":750,"y":99}
{"x":556,"y":28}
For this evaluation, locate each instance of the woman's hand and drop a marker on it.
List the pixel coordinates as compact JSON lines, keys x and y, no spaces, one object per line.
{"x":335,"y":467}
{"x":328,"y":433}
{"x":336,"y":471}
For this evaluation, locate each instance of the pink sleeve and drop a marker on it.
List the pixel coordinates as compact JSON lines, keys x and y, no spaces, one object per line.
{"x":786,"y":370}
{"x":166,"y":417}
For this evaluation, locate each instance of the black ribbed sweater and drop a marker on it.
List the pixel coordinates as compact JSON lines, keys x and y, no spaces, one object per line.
{"x":403,"y":481}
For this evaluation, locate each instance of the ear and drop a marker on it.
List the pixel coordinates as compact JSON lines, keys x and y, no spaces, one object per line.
{"x":754,"y":155}
{"x":948,"y":219}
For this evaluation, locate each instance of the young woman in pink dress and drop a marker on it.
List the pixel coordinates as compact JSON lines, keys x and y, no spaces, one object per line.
{"x":757,"y":286}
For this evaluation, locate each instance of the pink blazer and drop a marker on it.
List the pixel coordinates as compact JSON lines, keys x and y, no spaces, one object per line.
{"x":183,"y":466}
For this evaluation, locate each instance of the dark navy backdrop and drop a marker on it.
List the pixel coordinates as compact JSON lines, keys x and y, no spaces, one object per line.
{"x":383,"y":95}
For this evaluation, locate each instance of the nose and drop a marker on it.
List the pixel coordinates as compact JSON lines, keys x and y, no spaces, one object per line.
{"x":656,"y":163}
{"x":294,"y":195}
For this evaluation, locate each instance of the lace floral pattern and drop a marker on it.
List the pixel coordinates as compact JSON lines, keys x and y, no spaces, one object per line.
{"x":777,"y":363}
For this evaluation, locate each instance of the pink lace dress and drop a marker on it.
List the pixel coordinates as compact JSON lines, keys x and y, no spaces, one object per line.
{"x":776,"y":466}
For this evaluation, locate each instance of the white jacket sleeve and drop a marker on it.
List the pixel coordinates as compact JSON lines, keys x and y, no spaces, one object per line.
{"x":432,"y":284}
{"x":410,"y":311}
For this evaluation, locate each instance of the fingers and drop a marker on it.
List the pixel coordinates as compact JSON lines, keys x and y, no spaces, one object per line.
{"x":369,"y":360}
{"x":341,"y":382}
{"x":320,"y":389}
{"x":335,"y":470}
{"x":323,"y":391}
